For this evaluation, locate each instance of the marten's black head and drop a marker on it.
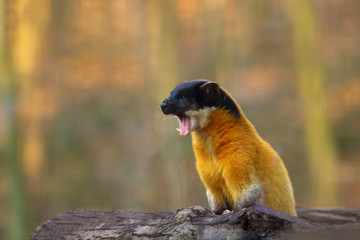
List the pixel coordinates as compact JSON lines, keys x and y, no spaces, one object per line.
{"x":192,"y":101}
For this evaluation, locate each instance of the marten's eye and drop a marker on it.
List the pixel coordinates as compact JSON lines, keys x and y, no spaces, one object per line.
{"x":182,"y":97}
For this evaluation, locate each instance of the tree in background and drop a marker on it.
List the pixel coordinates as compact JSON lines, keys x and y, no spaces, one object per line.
{"x":311,"y":83}
{"x":23,"y":147}
{"x":15,"y":201}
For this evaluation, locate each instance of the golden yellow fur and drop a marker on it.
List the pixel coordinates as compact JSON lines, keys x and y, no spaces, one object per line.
{"x":237,"y":167}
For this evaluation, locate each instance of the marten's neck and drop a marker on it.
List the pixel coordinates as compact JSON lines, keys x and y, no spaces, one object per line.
{"x":224,"y":129}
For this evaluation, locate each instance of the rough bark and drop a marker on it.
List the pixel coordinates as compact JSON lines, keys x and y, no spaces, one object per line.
{"x":196,"y":222}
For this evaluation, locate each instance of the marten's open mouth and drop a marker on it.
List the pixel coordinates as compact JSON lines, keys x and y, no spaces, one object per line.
{"x":185,"y":124}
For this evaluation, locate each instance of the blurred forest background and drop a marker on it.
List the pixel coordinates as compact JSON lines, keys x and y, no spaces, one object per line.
{"x":81,"y":83}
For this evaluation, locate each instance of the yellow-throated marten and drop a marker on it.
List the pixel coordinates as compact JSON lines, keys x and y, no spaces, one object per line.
{"x":237,"y":167}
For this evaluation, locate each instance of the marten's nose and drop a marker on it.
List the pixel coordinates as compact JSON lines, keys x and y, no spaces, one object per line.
{"x":164,"y":106}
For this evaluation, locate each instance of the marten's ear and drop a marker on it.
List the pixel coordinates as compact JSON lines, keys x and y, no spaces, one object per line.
{"x":210,"y":91}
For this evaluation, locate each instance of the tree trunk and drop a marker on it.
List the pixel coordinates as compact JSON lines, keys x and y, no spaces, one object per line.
{"x":311,"y":83}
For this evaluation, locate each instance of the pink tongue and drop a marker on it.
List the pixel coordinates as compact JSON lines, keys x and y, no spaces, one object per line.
{"x":185,"y":126}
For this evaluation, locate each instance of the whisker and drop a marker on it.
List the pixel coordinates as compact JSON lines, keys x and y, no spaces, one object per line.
{"x":167,"y":117}
{"x":156,"y":109}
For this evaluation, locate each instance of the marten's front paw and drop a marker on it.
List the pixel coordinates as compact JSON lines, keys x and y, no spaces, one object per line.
{"x":226,"y":211}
